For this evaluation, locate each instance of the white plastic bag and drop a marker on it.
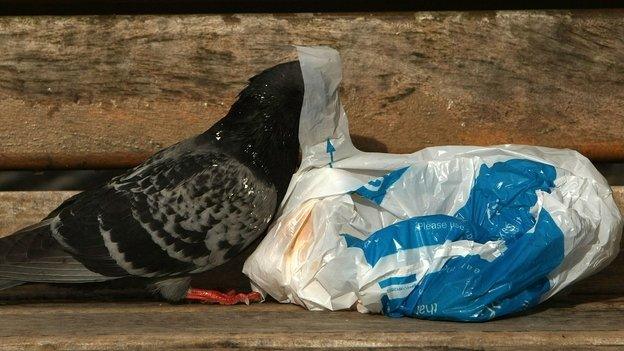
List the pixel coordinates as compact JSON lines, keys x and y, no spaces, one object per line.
{"x":455,"y":232}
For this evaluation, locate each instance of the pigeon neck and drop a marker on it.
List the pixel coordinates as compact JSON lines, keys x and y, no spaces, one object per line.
{"x":272,"y":153}
{"x":262,"y":127}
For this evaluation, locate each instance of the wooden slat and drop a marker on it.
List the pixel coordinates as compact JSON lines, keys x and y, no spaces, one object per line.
{"x":19,"y":209}
{"x":591,"y":317}
{"x":108,"y":91}
{"x":588,"y":324}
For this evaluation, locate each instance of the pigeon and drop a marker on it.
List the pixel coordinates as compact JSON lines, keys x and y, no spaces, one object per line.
{"x":185,"y":210}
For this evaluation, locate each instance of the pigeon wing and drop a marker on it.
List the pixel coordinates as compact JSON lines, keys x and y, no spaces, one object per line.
{"x":178,"y":213}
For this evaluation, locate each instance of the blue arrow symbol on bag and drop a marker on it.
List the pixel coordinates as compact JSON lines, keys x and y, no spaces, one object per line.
{"x":330,"y":151}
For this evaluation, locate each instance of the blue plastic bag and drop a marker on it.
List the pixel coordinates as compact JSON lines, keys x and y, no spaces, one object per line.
{"x":455,"y":232}
{"x":470,"y":288}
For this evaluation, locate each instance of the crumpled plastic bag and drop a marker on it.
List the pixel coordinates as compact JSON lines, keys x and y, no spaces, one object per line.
{"x":454,"y":232}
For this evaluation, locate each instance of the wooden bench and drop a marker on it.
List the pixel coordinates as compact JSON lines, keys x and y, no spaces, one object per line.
{"x":106,"y":92}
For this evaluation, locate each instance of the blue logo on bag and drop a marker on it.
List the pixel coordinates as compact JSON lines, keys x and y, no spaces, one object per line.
{"x":471,"y":288}
{"x":376,"y":189}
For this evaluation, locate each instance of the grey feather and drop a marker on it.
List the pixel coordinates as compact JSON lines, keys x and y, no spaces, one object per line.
{"x":32,"y":255}
{"x":172,"y":289}
{"x":6,"y":284}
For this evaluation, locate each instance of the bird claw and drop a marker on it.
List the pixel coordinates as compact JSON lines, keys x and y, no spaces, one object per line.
{"x":229,"y":298}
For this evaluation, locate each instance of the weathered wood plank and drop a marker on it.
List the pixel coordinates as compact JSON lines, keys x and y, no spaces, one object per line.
{"x":588,"y":323}
{"x":109,"y":91}
{"x":19,"y":209}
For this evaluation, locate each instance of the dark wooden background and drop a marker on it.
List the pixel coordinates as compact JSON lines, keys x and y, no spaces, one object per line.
{"x":73,"y":7}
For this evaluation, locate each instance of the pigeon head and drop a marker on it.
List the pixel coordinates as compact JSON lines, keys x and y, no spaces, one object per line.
{"x":262,"y":127}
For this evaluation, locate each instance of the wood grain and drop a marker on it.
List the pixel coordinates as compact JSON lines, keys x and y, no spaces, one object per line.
{"x":92,"y":92}
{"x":19,"y":209}
{"x":95,"y":326}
